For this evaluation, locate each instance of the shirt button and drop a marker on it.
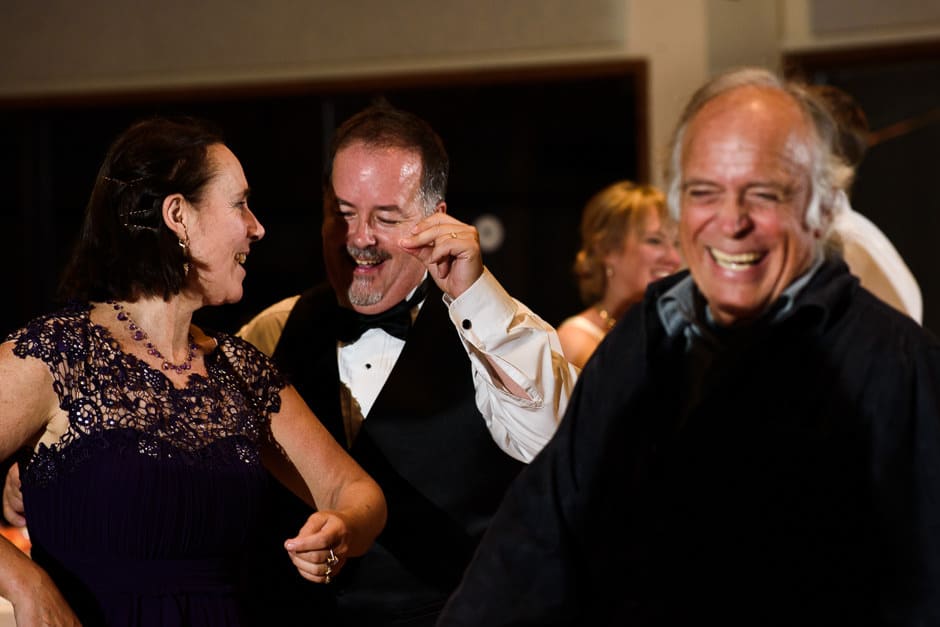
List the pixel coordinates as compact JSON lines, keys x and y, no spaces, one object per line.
{"x":467,"y":324}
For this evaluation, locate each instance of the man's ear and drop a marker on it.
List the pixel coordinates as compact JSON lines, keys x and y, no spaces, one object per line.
{"x":829,"y":211}
{"x":174,"y":215}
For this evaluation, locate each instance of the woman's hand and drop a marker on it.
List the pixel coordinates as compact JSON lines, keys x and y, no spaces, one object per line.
{"x":319,"y":550}
{"x":351,"y":506}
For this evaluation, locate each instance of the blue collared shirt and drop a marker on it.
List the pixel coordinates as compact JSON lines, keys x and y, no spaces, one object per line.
{"x":680,"y":309}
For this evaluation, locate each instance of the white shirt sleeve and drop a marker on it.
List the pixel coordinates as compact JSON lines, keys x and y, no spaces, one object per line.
{"x":494,"y":325}
{"x":856,"y":230}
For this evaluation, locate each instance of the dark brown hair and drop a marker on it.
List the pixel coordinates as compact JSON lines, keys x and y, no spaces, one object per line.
{"x":124,"y":249}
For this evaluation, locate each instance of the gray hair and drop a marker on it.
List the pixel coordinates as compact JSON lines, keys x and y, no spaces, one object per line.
{"x":830,"y":174}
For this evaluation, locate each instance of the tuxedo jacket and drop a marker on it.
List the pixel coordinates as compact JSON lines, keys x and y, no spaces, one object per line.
{"x":424,"y":442}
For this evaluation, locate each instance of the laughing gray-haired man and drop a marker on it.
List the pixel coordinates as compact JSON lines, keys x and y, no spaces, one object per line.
{"x":758,"y":442}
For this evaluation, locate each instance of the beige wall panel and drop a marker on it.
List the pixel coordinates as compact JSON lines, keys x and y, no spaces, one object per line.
{"x":67,"y":46}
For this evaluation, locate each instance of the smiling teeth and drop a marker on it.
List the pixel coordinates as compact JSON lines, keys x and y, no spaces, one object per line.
{"x":367,"y":262}
{"x":241,"y":257}
{"x":734,"y":262}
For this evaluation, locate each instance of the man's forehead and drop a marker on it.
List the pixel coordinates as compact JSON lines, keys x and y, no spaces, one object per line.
{"x":365,"y":155}
{"x":729,"y":159}
{"x":376,"y":176}
{"x":747,"y":126}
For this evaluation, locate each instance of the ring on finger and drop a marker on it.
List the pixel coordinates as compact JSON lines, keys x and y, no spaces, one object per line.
{"x":327,"y":579}
{"x":332,"y":560}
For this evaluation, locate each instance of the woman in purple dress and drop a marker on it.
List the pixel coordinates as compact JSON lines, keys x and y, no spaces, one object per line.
{"x":142,"y":437}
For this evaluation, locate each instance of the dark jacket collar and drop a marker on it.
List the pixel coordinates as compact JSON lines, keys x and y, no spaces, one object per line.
{"x":681,"y":307}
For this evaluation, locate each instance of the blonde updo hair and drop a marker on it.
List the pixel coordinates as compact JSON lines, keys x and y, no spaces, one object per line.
{"x":607,"y":219}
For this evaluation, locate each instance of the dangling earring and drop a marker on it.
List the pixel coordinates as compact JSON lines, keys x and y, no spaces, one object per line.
{"x":608,"y":271}
{"x":184,"y":244}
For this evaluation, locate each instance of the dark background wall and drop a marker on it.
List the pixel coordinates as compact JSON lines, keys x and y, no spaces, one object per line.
{"x":528,"y":148}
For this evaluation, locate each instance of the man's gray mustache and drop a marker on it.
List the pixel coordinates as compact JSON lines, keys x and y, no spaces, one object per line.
{"x":368,"y":254}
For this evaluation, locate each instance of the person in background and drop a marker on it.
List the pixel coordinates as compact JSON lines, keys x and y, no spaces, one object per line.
{"x":440,"y":384}
{"x":869,"y":254}
{"x":143,"y":436}
{"x":758,"y":441}
{"x":628,"y":240}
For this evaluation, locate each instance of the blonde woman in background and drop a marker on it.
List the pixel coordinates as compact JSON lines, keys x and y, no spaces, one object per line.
{"x":628,"y":240}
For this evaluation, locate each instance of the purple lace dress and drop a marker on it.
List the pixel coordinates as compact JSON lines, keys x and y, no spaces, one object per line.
{"x":142,"y":510}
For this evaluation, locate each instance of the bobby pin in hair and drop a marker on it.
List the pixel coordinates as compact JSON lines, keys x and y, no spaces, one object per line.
{"x":122,"y":183}
{"x":135,"y":221}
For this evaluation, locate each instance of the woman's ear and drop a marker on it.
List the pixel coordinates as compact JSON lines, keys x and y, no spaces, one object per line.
{"x":174,"y":215}
{"x":610,"y":259}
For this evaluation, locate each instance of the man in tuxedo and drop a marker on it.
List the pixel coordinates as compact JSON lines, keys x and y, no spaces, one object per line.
{"x":758,"y":441}
{"x":439,"y":383}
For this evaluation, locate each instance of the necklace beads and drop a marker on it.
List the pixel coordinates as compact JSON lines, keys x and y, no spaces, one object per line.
{"x":139,"y":335}
{"x":609,"y":321}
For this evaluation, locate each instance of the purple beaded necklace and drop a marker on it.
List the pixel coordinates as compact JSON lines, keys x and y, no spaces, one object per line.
{"x":140,"y":335}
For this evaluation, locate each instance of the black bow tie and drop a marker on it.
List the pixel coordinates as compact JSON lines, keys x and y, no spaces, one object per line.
{"x":395,"y":321}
